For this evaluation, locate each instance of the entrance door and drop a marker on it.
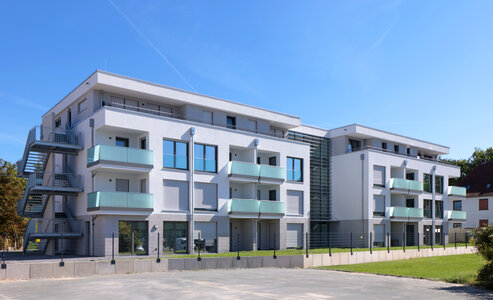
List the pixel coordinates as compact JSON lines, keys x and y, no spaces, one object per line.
{"x":410,"y":235}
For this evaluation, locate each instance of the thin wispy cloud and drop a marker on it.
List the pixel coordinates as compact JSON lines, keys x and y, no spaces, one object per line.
{"x":22,"y":102}
{"x":393,"y":4}
{"x":380,"y":39}
{"x":7,"y":138}
{"x":151,"y":44}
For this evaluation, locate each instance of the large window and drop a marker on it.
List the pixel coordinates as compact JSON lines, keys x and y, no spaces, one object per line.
{"x":205,"y":196}
{"x":132,"y":238}
{"x":353,"y":145}
{"x":439,"y":184}
{"x":438,"y":209}
{"x":175,"y":195}
{"x":295,"y":169}
{"x":379,"y":205}
{"x":427,"y":211}
{"x":175,"y":154}
{"x":379,"y":235}
{"x":483,"y":223}
{"x":231,"y":122}
{"x":205,"y":158}
{"x":483,"y":204}
{"x":458,"y":205}
{"x":378,"y":176}
{"x":175,"y":237}
{"x":427,"y":183}
{"x":121,"y":142}
{"x":294,"y":203}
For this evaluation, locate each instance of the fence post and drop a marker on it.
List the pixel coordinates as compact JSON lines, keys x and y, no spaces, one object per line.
{"x":388,"y":242}
{"x":238,"y":245}
{"x":4,"y":265}
{"x":351,"y":241}
{"x":132,"y":242}
{"x":330,"y":246}
{"x":466,"y":239}
{"x":455,"y":240}
{"x":158,"y":260}
{"x":371,"y":242}
{"x":443,"y":239}
{"x":199,"y":246}
{"x":62,"y":264}
{"x":113,"y":248}
{"x":404,"y":241}
{"x":306,"y":244}
{"x":418,"y":241}
{"x":275,"y":256}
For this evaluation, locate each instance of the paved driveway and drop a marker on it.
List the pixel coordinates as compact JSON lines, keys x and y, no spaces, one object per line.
{"x":239,"y":284}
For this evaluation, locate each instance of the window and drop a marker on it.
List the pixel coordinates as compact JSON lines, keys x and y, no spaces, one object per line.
{"x":427,"y":210}
{"x":272,"y":161}
{"x":483,"y":223}
{"x":457,"y":225}
{"x":483,"y":204}
{"x":294,"y":203}
{"x":122,"y":185}
{"x":143,"y":143}
{"x":439,"y":184}
{"x":205,"y":196}
{"x":175,"y":154}
{"x":272,"y":195}
{"x":143,"y":186}
{"x":132,"y":234}
{"x":175,"y":195}
{"x":175,"y":236}
{"x":231,"y":122}
{"x":379,"y":207}
{"x":410,"y":202}
{"x":457,"y":205}
{"x":379,"y":235}
{"x":121,"y":142}
{"x":438,"y":209}
{"x":396,"y":148}
{"x":408,"y":151}
{"x":379,"y":176}
{"x":208,"y":235}
{"x":295,"y":169}
{"x":252,"y":125}
{"x":353,"y":145}
{"x":427,"y":183}
{"x":205,"y":158}
{"x":207,"y":117}
{"x":58,"y":122}
{"x":82,"y":106}
{"x":410,"y":176}
{"x":276,"y":132}
{"x":384,"y":146}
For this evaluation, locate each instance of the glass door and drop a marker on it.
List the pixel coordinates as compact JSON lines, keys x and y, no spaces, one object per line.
{"x":175,"y":237}
{"x":132,"y":238}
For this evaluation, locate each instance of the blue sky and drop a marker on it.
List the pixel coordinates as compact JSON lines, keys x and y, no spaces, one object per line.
{"x":417,"y":68}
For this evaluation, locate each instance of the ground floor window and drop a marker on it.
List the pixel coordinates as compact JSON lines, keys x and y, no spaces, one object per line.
{"x":132,"y":238}
{"x":294,"y":236}
{"x":205,"y":237}
{"x":457,"y":225}
{"x":427,"y":234}
{"x":175,"y":237}
{"x":379,"y":235}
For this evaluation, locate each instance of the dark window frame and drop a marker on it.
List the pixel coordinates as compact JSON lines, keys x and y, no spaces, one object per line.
{"x":454,"y":203}
{"x":427,"y":208}
{"x":126,"y":141}
{"x":293,"y":159}
{"x":439,"y":184}
{"x":233,"y":123}
{"x":174,"y":154}
{"x":204,"y":157}
{"x":427,"y":183}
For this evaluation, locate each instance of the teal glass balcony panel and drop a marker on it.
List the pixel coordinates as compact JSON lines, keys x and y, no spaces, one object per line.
{"x":243,"y":169}
{"x":120,"y":154}
{"x":243,"y":206}
{"x":272,"y":207}
{"x":115,"y":200}
{"x":404,"y":184}
{"x":406,"y":212}
{"x":456,"y":191}
{"x":274,"y":172}
{"x":457,"y":215}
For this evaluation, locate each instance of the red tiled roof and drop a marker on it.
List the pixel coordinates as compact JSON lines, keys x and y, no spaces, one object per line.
{"x":480,"y":181}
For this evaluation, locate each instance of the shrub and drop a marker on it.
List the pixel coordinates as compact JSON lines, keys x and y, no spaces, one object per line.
{"x":483,"y":240}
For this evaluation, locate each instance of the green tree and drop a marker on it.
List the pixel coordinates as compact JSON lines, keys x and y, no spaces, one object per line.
{"x":467,"y":165}
{"x":11,"y":190}
{"x":483,"y":240}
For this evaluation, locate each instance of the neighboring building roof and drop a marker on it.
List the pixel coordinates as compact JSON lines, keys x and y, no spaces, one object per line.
{"x":480,"y":181}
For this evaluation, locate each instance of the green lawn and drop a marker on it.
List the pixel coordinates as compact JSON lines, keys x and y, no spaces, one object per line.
{"x":452,"y":268}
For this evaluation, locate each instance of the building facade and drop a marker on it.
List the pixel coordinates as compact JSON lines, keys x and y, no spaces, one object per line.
{"x":134,"y":167}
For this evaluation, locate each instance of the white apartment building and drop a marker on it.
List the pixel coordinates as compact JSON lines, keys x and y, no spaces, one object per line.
{"x":391,"y":185}
{"x":134,"y":167}
{"x":479,"y":202}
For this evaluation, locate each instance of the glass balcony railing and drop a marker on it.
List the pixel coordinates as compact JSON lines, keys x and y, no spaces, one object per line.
{"x":273,"y":172}
{"x":404,"y":184}
{"x":405,"y":212}
{"x":456,"y":215}
{"x":272,"y":207}
{"x":249,"y":206}
{"x":243,"y":169}
{"x":120,"y":200}
{"x":120,"y":155}
{"x":456,"y":191}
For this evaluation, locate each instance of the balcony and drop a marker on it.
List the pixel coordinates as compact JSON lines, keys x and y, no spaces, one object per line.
{"x":244,"y":206}
{"x":272,"y":208}
{"x":120,"y":201}
{"x":123,"y":156}
{"x":407,"y":186}
{"x":405,"y":212}
{"x":456,"y":191}
{"x":456,"y":215}
{"x":243,"y":170}
{"x":272,"y":173}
